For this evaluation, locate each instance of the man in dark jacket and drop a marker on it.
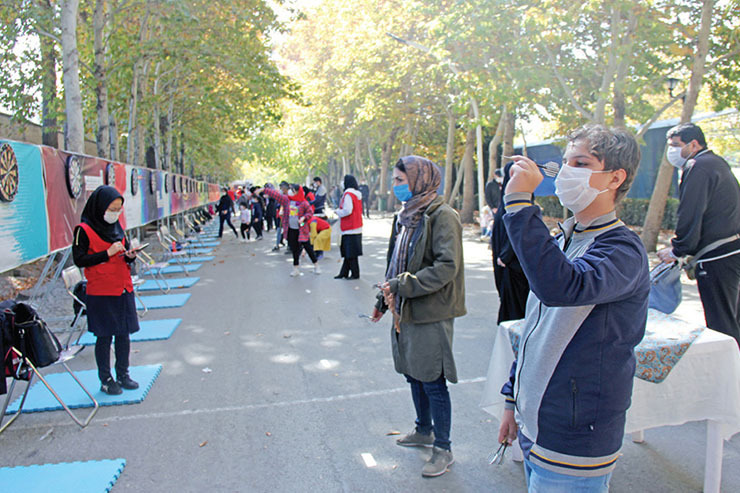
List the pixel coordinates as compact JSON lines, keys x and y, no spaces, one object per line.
{"x":225,"y":208}
{"x":708,"y":226}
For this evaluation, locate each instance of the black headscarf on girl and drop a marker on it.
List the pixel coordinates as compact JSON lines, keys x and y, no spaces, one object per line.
{"x":95,"y":209}
{"x":350,"y":182}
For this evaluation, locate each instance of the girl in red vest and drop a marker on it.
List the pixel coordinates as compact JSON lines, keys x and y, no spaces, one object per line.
{"x":350,"y":212}
{"x":101,"y":247}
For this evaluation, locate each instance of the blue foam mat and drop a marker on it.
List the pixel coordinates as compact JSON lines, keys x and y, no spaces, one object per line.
{"x":175,"y":269}
{"x":162,"y":301}
{"x":93,"y":476}
{"x":199,"y":251}
{"x":149,"y":330}
{"x":174,"y":283}
{"x":40,"y":399}
{"x":203,"y":258}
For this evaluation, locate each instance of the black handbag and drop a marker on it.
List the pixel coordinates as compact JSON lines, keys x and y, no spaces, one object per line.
{"x":39,"y":345}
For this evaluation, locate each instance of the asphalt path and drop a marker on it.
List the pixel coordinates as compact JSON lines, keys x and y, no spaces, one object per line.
{"x":276,"y":384}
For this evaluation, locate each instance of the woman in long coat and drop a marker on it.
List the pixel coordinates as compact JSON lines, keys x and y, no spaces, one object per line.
{"x":425,"y":291}
{"x":101,"y":247}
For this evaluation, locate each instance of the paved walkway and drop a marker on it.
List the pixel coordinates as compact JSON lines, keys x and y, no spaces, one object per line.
{"x":276,"y":384}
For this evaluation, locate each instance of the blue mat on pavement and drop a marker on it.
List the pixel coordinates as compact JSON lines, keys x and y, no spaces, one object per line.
{"x":40,"y":399}
{"x":93,"y":476}
{"x":162,"y":301}
{"x":149,"y":330}
{"x":200,"y":251}
{"x":175,"y":283}
{"x":174,"y":269}
{"x":207,"y":244}
{"x":204,"y":258}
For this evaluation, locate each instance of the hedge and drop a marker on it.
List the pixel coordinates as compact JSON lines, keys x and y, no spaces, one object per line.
{"x":631,"y":211}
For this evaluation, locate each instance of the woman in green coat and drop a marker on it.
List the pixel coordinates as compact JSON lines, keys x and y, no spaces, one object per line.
{"x":425,"y":291}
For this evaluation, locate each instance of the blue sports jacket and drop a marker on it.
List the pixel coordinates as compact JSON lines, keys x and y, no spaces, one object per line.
{"x":571,"y":383}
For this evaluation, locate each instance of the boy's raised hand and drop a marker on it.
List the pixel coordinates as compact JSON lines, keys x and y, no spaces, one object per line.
{"x":525,"y":176}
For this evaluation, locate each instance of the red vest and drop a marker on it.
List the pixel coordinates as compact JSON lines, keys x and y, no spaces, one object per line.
{"x":110,"y":278}
{"x":354,"y":220}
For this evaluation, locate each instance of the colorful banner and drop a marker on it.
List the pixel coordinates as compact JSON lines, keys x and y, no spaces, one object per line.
{"x":44,"y":190}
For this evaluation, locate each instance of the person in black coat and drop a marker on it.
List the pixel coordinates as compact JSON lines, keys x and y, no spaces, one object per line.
{"x":511,"y":283}
{"x":708,"y":226}
{"x":225,"y":208}
{"x":100,"y":246}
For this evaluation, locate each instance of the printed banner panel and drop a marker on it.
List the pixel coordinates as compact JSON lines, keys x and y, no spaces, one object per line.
{"x":23,"y":219}
{"x":44,"y":190}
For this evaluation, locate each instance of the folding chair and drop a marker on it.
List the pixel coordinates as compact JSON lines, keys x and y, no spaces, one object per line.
{"x":71,"y":277}
{"x":169,"y":254}
{"x":26,"y":371}
{"x":148,"y":266}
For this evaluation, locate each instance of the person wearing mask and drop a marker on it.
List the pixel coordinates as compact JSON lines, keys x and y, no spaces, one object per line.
{"x":319,"y":202}
{"x":708,"y":226}
{"x":350,"y":224}
{"x":296,"y":217}
{"x":225,"y":208}
{"x":571,"y":384}
{"x":102,"y":249}
{"x":511,"y":283}
{"x":245,"y":220}
{"x":425,"y":291}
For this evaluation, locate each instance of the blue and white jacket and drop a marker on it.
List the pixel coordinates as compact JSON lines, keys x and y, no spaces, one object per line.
{"x":571,"y":384}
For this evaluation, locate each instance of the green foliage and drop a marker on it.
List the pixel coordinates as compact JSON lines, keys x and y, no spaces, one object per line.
{"x":633,"y":212}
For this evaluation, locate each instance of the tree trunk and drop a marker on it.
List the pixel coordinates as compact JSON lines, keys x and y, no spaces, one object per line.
{"x":113,"y":130}
{"x":656,"y":208}
{"x":102,"y":136}
{"x":168,"y":140}
{"x":75,"y":129}
{"x":449,"y":153}
{"x":509,"y":131}
{"x":458,"y":181}
{"x":479,"y":156}
{"x":466,"y":215}
{"x":385,"y":201}
{"x":49,"y":101}
{"x":132,"y":108}
{"x":156,"y":120}
{"x":493,"y":145}
{"x":139,"y":131}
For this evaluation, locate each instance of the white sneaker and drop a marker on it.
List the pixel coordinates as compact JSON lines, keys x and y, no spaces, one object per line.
{"x":295,"y":272}
{"x":316,"y":269}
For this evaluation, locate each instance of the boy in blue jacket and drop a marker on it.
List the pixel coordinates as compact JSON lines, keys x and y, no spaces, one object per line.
{"x":571,"y":384}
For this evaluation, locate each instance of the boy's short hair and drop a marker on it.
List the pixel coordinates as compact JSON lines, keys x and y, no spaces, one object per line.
{"x":318,"y":179}
{"x":688,"y":132}
{"x":616,"y":147}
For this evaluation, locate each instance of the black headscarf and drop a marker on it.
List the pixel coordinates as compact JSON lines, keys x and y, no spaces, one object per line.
{"x":95,"y":209}
{"x":350,"y":182}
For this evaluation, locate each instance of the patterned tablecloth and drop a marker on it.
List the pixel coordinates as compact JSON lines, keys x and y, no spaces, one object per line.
{"x":666,"y":339}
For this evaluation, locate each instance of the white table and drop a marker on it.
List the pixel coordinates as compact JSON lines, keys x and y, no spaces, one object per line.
{"x":703,"y":386}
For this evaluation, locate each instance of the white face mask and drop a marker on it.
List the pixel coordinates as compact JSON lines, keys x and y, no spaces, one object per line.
{"x":111,"y":217}
{"x":673,"y":155}
{"x":573,"y":189}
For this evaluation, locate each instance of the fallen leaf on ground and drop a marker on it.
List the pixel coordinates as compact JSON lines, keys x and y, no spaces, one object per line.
{"x":268,"y":433}
{"x":227,"y":333}
{"x":393,"y":432}
{"x":206,"y":370}
{"x":203,"y":444}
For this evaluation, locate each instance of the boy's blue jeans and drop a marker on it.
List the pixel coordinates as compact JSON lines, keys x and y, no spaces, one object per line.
{"x":433,"y":409}
{"x":540,"y":480}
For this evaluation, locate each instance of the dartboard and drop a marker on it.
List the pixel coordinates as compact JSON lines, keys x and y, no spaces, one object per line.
{"x":8,"y":173}
{"x":182,"y":182}
{"x":166,"y":183}
{"x":134,"y":181}
{"x":152,"y":181}
{"x":110,"y":175}
{"x":74,"y":176}
{"x":174,"y":184}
